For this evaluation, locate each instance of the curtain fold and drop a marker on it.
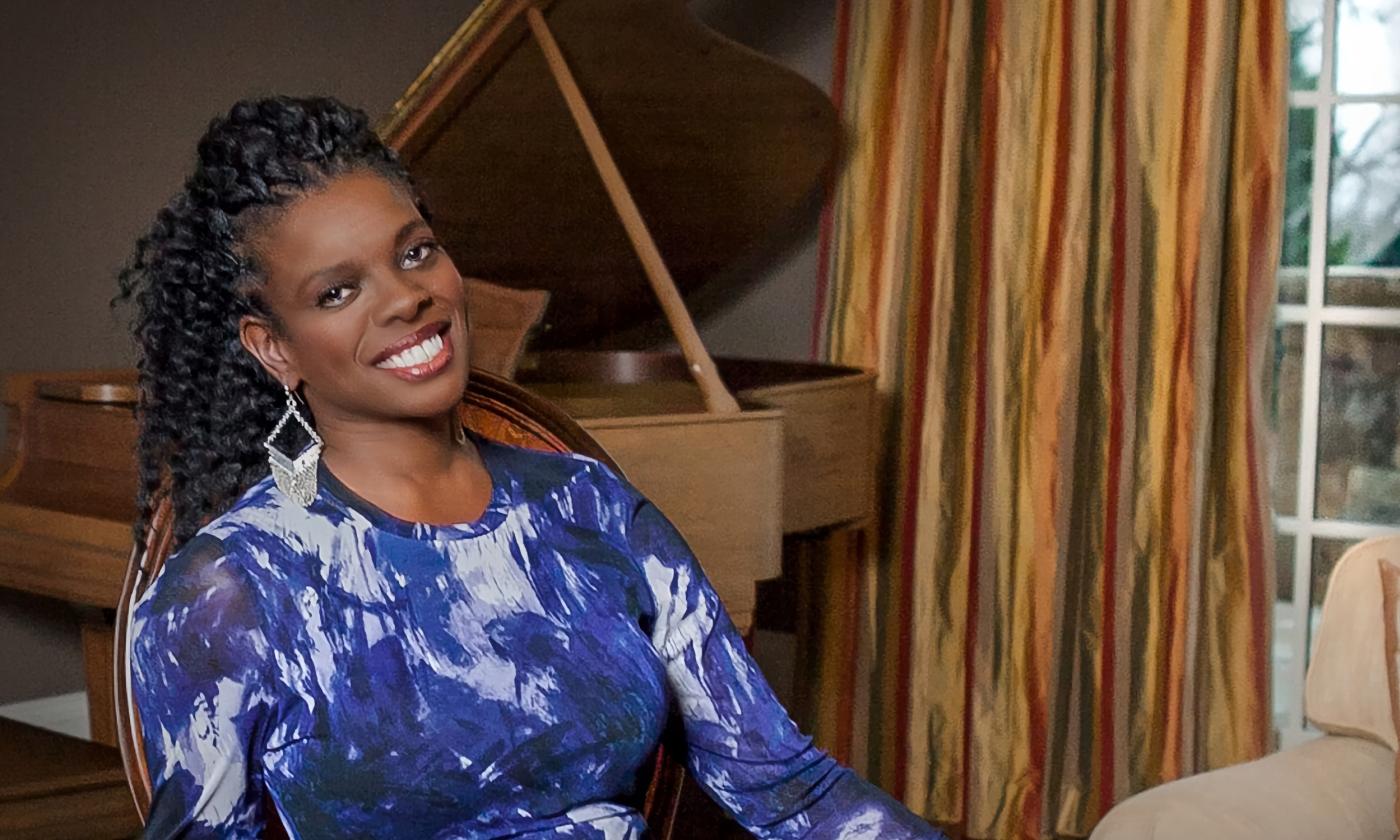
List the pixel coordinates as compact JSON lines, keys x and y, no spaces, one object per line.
{"x":1054,"y":237}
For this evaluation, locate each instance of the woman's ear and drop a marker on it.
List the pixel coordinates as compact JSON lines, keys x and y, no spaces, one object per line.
{"x":259,"y":338}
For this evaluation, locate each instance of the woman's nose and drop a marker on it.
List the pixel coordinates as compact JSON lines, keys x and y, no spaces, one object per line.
{"x":404,"y":299}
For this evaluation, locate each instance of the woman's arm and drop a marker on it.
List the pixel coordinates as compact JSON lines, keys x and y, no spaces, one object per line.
{"x":200,"y":665}
{"x":743,"y":748}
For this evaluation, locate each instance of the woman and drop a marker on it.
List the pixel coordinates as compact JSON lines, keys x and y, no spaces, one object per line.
{"x":402,"y":631}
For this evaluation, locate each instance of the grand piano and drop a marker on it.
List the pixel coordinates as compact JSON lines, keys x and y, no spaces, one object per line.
{"x":620,"y":156}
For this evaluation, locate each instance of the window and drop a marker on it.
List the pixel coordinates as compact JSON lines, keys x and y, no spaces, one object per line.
{"x":1336,"y":373}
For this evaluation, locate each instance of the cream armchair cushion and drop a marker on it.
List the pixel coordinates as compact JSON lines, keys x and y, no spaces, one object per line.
{"x":1348,"y":690}
{"x":1390,"y":591}
{"x":1329,"y":788}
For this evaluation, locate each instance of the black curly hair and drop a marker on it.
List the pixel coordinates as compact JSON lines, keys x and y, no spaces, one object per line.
{"x":205,"y":404}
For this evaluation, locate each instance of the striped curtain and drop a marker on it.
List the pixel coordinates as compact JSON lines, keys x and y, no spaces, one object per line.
{"x":1054,"y":237}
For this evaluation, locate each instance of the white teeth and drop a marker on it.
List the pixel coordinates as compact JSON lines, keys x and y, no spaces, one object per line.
{"x":418,"y":354}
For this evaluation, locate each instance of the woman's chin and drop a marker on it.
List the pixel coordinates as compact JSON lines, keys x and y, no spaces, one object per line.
{"x":427,"y":397}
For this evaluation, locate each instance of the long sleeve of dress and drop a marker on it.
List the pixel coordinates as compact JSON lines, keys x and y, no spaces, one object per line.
{"x":200,"y":677}
{"x":742,"y":746}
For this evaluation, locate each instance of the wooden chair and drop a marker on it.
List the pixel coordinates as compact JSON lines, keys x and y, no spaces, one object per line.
{"x":493,"y":408}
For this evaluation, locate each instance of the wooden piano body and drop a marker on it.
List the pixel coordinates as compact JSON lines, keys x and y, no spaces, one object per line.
{"x":67,"y":498}
{"x":719,"y":148}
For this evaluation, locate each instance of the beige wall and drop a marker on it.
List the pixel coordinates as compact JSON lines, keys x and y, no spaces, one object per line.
{"x":102,"y":104}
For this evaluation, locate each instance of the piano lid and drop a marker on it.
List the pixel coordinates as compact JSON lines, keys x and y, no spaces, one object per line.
{"x":720,"y":146}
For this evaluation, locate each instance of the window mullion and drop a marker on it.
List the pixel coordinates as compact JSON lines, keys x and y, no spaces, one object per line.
{"x":1312,"y":361}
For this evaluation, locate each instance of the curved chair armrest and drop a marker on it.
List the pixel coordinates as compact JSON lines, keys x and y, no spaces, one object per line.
{"x":1336,"y":787}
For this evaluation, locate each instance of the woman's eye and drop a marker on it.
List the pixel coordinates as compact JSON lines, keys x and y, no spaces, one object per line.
{"x":334,"y":295}
{"x":419,"y":253}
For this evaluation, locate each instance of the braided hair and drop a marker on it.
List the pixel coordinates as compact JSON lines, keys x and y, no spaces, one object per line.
{"x":204,"y":402}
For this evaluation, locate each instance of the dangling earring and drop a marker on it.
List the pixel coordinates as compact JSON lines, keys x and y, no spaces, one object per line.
{"x":295,"y":477}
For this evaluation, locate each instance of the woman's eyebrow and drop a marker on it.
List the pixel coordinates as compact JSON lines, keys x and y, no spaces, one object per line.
{"x":342,"y":267}
{"x":409,"y":227}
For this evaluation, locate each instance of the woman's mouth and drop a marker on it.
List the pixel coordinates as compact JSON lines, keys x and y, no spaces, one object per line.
{"x":421,"y":360}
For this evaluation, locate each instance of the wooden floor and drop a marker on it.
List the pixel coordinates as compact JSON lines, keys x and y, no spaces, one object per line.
{"x":56,"y":787}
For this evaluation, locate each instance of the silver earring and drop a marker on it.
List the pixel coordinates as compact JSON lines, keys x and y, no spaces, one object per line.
{"x":294,"y":476}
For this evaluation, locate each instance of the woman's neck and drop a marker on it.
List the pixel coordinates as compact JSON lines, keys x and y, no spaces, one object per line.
{"x":414,"y":469}
{"x":405,"y":449}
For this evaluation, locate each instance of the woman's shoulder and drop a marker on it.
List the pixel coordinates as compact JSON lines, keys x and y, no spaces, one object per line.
{"x":264,"y":526}
{"x":227,"y":557}
{"x":206,"y":619}
{"x":543,"y":464}
{"x":204,"y":589}
{"x":200,"y":567}
{"x":564,"y":485}
{"x":541,"y":473}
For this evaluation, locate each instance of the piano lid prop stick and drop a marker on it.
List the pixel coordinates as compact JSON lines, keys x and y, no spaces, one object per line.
{"x":717,"y":398}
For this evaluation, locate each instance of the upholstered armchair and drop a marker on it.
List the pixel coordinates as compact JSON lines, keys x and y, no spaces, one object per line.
{"x":1339,"y":785}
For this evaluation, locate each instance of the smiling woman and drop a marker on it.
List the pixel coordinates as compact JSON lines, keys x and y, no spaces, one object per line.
{"x":404,"y":631}
{"x":368,"y":314}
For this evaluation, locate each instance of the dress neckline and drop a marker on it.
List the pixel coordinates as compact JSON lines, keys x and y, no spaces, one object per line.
{"x":495,"y":513}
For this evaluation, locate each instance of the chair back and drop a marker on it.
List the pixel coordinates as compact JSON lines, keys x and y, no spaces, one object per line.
{"x":1347,"y":691}
{"x":493,"y":408}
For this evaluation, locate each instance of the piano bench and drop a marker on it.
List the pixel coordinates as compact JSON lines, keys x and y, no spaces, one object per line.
{"x":55,"y":787}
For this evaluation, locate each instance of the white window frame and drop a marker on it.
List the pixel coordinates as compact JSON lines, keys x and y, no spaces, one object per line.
{"x":1313,"y":315}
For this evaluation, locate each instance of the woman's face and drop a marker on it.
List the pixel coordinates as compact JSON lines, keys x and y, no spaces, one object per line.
{"x":372,"y":310}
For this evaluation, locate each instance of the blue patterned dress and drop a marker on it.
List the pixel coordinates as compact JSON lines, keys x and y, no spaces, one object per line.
{"x":372,"y":677}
